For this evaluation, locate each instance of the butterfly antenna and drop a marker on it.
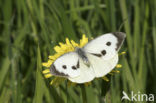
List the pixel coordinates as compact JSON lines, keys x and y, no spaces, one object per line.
{"x":121,"y":25}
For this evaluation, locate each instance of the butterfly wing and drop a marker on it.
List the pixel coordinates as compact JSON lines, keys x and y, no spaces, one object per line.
{"x":66,"y":66}
{"x":102,"y":52}
{"x":102,"y":67}
{"x":72,"y":67}
{"x":86,"y":74}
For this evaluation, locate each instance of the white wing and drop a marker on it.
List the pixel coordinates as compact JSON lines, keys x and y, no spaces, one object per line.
{"x":86,"y":74}
{"x":71,"y":66}
{"x":102,"y":67}
{"x":102,"y":52}
{"x":67,"y":65}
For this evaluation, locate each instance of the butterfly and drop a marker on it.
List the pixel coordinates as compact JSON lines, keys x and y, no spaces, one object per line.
{"x":96,"y":59}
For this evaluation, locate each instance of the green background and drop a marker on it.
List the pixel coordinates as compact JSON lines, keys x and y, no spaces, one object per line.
{"x":29,"y":29}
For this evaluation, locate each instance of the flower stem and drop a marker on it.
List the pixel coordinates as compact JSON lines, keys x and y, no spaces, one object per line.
{"x":84,"y":95}
{"x":67,"y":91}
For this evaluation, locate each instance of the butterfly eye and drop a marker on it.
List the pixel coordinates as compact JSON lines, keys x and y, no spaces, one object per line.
{"x":108,"y":43}
{"x":103,"y":52}
{"x":74,"y":68}
{"x":64,"y":67}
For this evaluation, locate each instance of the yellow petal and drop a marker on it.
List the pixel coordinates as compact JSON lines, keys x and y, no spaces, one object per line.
{"x":83,"y":41}
{"x":57,"y":49}
{"x":105,"y":78}
{"x":74,"y":43}
{"x":46,"y":71}
{"x":69,"y":46}
{"x":122,"y":53}
{"x":47,"y":64}
{"x":67,"y":41}
{"x":51,"y":82}
{"x":52,"y":57}
{"x":48,"y":75}
{"x":57,"y":55}
{"x":115,"y":71}
{"x":118,"y":66}
{"x":63,"y":46}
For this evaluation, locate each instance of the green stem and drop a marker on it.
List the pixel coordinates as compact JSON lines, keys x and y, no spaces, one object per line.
{"x":67,"y":90}
{"x":84,"y":95}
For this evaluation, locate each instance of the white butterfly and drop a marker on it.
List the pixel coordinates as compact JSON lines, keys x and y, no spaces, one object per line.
{"x":96,"y":59}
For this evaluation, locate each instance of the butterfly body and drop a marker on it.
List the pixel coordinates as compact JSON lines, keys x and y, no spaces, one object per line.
{"x":81,"y":53}
{"x":96,"y":59}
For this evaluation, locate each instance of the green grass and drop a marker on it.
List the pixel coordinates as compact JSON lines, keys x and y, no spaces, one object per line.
{"x":29,"y":30}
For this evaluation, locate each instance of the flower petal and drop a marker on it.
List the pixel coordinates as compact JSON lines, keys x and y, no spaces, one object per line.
{"x":118,"y":66}
{"x":47,"y":64}
{"x":105,"y":78}
{"x":46,"y":71}
{"x":57,"y":49}
{"x":52,"y":57}
{"x":48,"y":75}
{"x":63,"y":46}
{"x":115,"y":71}
{"x":83,"y":41}
{"x":67,"y":41}
{"x":122,"y":53}
{"x":74,"y":43}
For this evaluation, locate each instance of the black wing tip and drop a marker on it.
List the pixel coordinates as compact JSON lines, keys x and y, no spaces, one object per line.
{"x":119,"y":35}
{"x":54,"y":71}
{"x":52,"y":67}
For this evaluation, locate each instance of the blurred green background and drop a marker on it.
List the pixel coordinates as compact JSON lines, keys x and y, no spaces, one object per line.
{"x":29,"y":29}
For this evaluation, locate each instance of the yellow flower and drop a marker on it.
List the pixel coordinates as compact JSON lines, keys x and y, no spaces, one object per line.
{"x":61,"y":49}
